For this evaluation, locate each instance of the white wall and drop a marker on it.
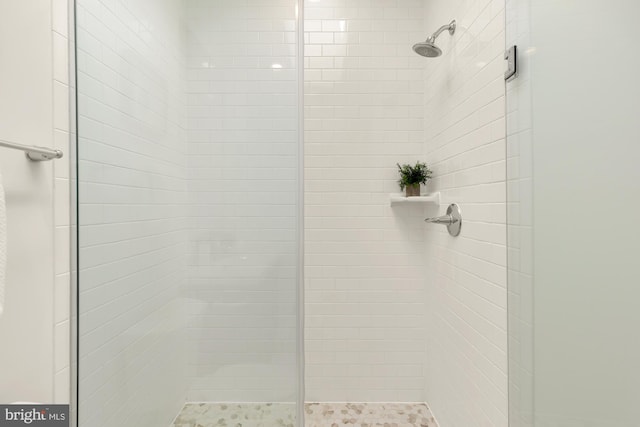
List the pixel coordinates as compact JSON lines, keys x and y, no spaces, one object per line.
{"x":466,"y":365}
{"x":132,"y":211}
{"x":364,"y":276}
{"x":243,"y":159}
{"x":583,"y":163}
{"x":33,"y":78}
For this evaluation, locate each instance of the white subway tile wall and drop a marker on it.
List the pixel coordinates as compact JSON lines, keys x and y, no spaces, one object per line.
{"x":466,"y":298}
{"x":364,"y":277}
{"x":132,"y":143}
{"x":242,"y":180}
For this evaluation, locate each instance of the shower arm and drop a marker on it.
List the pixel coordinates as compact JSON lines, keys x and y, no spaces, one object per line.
{"x":451,"y":27}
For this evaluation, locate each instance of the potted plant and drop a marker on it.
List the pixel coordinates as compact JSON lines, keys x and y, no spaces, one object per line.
{"x":412,"y":176}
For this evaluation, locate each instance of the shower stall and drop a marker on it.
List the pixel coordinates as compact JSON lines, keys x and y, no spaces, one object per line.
{"x":243,"y":257}
{"x":192,"y":228}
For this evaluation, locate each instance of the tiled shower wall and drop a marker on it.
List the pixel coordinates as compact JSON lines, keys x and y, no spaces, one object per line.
{"x":242,"y":173}
{"x":364,"y":277}
{"x":132,"y":211}
{"x":466,"y":365}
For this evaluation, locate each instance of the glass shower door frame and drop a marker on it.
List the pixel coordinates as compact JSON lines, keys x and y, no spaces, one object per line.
{"x":300,"y":229}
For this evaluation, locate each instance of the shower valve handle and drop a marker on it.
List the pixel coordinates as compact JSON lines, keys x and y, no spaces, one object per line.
{"x":445,"y":219}
{"x":453,"y":220}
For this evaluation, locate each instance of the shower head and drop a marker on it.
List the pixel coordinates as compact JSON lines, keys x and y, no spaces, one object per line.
{"x":428,"y":48}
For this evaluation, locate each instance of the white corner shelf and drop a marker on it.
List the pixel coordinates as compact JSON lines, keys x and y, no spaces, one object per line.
{"x":424,"y":199}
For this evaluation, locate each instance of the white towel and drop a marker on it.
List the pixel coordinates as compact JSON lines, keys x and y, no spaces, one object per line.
{"x":3,"y":244}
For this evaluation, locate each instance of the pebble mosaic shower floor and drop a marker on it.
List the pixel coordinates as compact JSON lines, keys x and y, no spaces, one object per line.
{"x":317,"y":415}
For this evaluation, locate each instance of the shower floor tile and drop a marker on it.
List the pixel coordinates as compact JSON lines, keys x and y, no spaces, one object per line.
{"x":317,"y":415}
{"x":236,"y":415}
{"x":368,"y":415}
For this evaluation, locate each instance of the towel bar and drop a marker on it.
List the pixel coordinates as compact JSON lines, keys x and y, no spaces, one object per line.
{"x":37,"y":154}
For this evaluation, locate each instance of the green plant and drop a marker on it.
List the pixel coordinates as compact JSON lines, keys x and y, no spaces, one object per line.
{"x":411,"y":175}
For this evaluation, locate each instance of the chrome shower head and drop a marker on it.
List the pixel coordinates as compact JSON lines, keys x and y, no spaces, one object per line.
{"x":428,"y":48}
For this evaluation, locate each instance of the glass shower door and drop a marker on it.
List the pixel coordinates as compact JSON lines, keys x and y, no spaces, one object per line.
{"x":189,"y":197}
{"x":243,"y":192}
{"x":573,"y":150}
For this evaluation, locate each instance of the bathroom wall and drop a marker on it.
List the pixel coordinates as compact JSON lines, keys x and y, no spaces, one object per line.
{"x":242,"y":179}
{"x":132,"y":233}
{"x":364,"y":277}
{"x":26,"y":83}
{"x":466,"y":297}
{"x":47,"y":84}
